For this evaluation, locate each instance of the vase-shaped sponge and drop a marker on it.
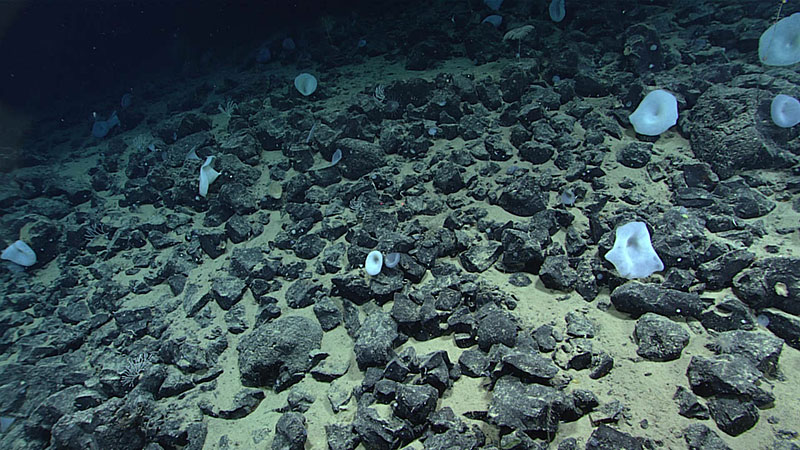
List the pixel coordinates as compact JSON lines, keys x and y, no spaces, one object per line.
{"x":633,"y":255}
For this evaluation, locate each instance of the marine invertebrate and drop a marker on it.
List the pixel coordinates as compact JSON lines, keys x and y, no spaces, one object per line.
{"x":134,"y":369}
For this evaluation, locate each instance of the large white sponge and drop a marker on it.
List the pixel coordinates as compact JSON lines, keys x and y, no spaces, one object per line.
{"x":19,"y":253}
{"x":656,"y":113}
{"x":780,"y":44}
{"x":633,"y":254}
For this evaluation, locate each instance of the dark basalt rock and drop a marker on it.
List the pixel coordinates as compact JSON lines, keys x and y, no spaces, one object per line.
{"x":276,"y":354}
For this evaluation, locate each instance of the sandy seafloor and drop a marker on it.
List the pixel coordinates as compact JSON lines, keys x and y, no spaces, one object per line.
{"x":644,"y":387}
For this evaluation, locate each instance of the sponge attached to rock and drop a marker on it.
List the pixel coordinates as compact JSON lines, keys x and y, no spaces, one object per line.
{"x":655,"y":114}
{"x":633,"y":254}
{"x":780,"y":44}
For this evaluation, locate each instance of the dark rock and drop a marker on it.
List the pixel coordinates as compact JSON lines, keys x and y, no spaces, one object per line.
{"x":479,"y":258}
{"x":732,"y":415}
{"x":106,"y":432}
{"x":124,"y":239}
{"x":536,"y":152}
{"x":328,"y":313}
{"x":74,"y":312}
{"x":700,"y":175}
{"x":238,"y":198}
{"x":400,"y":366}
{"x":495,"y":326}
{"x":602,"y":363}
{"x":456,"y":438}
{"x":447,"y":178}
{"x":276,"y":354}
{"x":376,"y":432}
{"x":238,"y":229}
{"x":305,"y":214}
{"x":194,"y":300}
{"x":290,"y":432}
{"x":729,"y":314}
{"x":235,"y":319}
{"x":308,"y":246}
{"x":784,"y":326}
{"x":217,"y":213}
{"x":606,"y":438}
{"x":244,"y":402}
{"x":247,"y":263}
{"x":514,"y":82}
{"x":227,"y":290}
{"x":681,"y":240}
{"x":160,"y":240}
{"x":212,"y":242}
{"x":719,"y":272}
{"x":643,"y":50}
{"x":635,"y":155}
{"x":689,"y":405}
{"x":556,"y":273}
{"x":435,"y":368}
{"x":341,"y":436}
{"x":581,"y":402}
{"x":473,"y":363}
{"x":770,"y":282}
{"x":636,"y":299}
{"x":489,"y":94}
{"x":530,"y":367}
{"x":301,"y":293}
{"x":761,"y":349}
{"x":699,"y":436}
{"x":520,"y":252}
{"x":579,"y":325}
{"x":134,"y":321}
{"x":692,"y":197}
{"x":722,"y":132}
{"x":545,"y":337}
{"x":749,"y":204}
{"x":522,"y":197}
{"x":727,"y":375}
{"x":498,"y":148}
{"x":358,"y":157}
{"x":353,"y":288}
{"x":580,"y":354}
{"x":659,"y":339}
{"x":376,"y":340}
{"x":425,"y":54}
{"x":192,"y":123}
{"x":532,"y":408}
{"x":174,"y":384}
{"x":331,"y":368}
{"x":415,"y":403}
{"x":574,"y":243}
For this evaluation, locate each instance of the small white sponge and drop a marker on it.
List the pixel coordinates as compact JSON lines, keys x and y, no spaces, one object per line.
{"x":374,"y":263}
{"x":633,"y":255}
{"x":305,"y":83}
{"x":207,"y":176}
{"x":785,"y":111}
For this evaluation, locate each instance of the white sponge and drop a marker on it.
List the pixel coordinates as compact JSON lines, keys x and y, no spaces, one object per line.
{"x":305,"y":83}
{"x":780,"y":44}
{"x":374,"y":263}
{"x":656,"y":113}
{"x":207,"y":176}
{"x":633,"y":255}
{"x":19,"y":253}
{"x":785,"y":111}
